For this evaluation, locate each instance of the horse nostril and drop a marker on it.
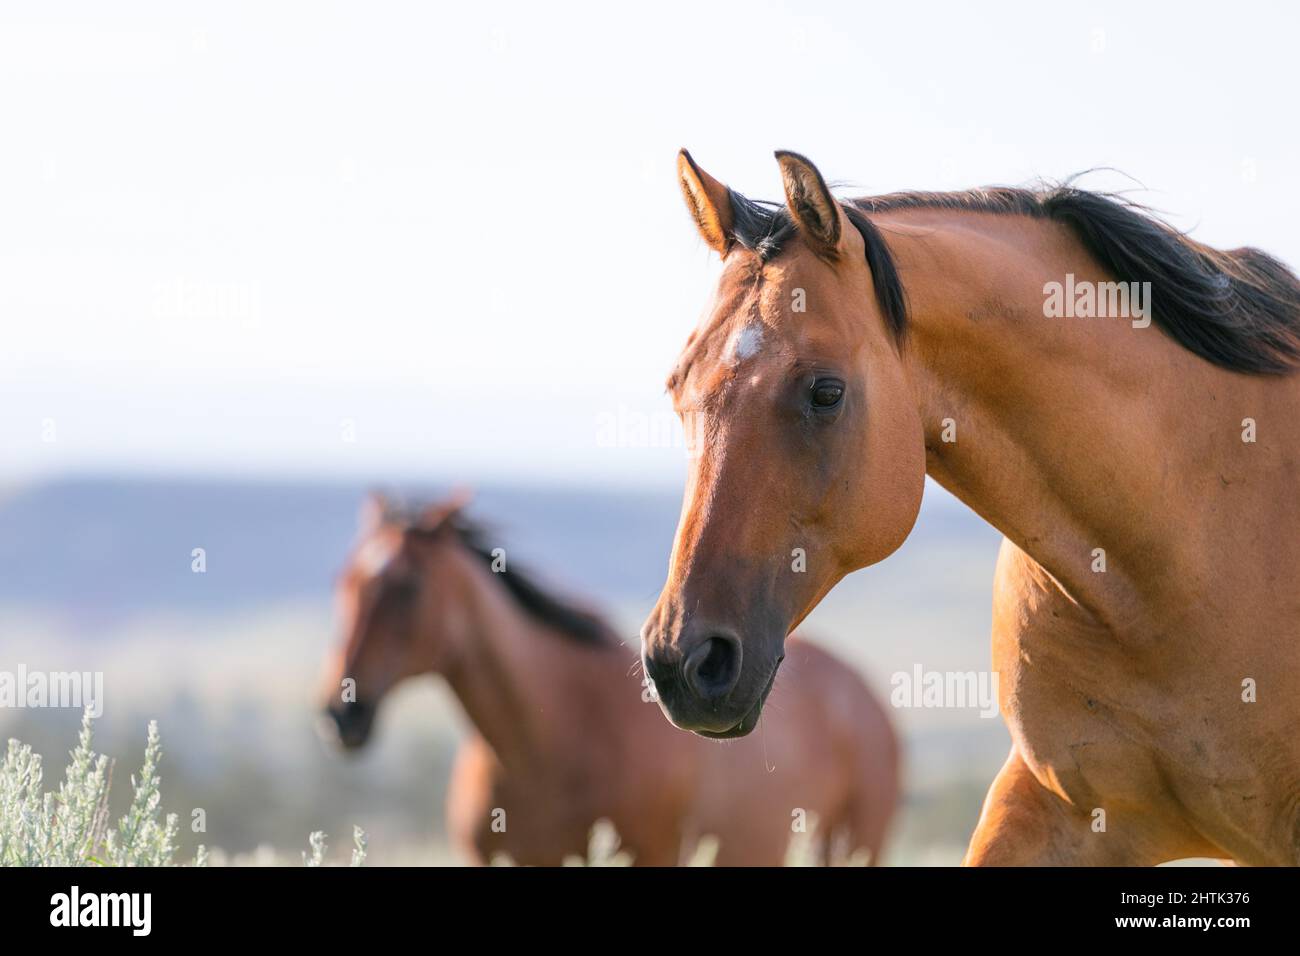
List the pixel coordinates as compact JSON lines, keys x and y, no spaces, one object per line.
{"x":347,"y":724}
{"x":713,"y":667}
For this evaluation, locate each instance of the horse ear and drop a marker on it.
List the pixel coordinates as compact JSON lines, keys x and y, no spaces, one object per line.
{"x":810,"y":202}
{"x":434,"y":516}
{"x":709,"y":202}
{"x":372,"y":512}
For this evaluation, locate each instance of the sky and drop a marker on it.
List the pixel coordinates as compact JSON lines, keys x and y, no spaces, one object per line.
{"x":446,"y":242}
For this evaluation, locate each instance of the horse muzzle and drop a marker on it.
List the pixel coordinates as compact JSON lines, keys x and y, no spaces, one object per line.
{"x":347,"y":725}
{"x":707,"y":683}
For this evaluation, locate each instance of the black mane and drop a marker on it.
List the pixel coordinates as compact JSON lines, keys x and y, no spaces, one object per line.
{"x":579,"y":624}
{"x":1239,"y":309}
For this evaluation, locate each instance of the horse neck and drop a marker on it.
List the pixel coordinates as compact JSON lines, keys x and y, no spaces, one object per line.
{"x":523,"y":686}
{"x":1057,"y":420}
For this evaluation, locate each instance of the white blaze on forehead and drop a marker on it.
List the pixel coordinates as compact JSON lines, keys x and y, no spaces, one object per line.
{"x":374,"y":556}
{"x":746,"y":342}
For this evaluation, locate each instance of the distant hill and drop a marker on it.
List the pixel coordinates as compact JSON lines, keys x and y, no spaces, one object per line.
{"x":104,"y":549}
{"x":108,"y":548}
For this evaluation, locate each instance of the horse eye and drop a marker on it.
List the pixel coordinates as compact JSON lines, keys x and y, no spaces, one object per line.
{"x":403,"y":591}
{"x":827,"y":393}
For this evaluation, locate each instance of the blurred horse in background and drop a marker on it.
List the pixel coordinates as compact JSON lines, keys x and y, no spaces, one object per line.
{"x":565,"y":733}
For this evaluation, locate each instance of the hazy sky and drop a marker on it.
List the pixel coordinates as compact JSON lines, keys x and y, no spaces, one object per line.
{"x":380,"y":241}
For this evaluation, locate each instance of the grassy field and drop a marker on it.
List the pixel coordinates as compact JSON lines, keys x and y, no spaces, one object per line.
{"x":73,"y":824}
{"x":235,"y":700}
{"x":227,"y":663}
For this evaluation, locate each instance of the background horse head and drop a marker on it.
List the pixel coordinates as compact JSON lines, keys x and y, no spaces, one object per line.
{"x":387,"y":601}
{"x":412,"y":602}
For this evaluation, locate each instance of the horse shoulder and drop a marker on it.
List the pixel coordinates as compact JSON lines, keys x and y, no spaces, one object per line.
{"x":1090,"y":727}
{"x":1063,"y":688}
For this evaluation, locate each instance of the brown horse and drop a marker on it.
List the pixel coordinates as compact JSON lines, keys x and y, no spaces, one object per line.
{"x":1146,"y":621}
{"x":563,"y":733}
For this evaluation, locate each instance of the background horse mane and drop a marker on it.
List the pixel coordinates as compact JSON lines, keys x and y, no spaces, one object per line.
{"x":544,"y":606}
{"x":1239,"y":309}
{"x":580,"y":624}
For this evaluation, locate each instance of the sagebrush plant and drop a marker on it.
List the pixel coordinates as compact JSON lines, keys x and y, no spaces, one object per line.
{"x":604,"y":848}
{"x":319,"y":846}
{"x":71,"y":826}
{"x":359,"y":843}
